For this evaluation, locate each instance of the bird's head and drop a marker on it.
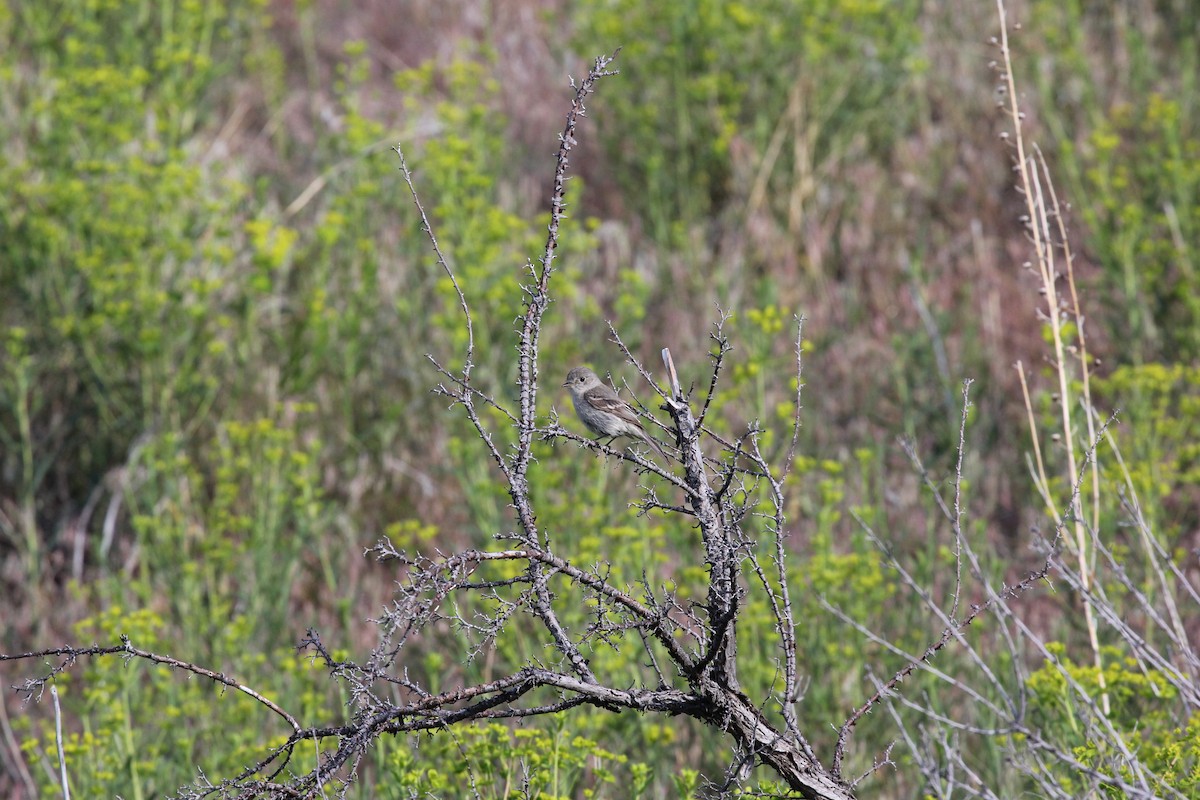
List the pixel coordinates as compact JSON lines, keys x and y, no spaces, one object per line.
{"x":580,"y":378}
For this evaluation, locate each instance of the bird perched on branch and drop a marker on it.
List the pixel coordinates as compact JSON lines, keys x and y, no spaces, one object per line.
{"x":602,"y":412}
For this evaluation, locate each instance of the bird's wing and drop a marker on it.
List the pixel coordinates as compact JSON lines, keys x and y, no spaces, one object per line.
{"x":613,"y":405}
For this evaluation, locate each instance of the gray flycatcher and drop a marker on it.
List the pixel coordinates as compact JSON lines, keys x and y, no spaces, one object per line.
{"x":602,"y":412}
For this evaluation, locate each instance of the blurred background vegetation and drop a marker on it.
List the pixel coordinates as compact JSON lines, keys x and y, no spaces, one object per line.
{"x":216,"y":305}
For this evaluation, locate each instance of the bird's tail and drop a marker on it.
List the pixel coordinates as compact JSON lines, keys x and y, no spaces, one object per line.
{"x":658,"y":448}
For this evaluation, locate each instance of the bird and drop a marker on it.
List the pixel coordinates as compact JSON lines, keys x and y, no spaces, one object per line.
{"x":602,"y":412}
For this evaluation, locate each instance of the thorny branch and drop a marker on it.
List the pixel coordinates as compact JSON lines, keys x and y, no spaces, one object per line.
{"x":689,"y":648}
{"x":692,"y":649}
{"x":33,"y":687}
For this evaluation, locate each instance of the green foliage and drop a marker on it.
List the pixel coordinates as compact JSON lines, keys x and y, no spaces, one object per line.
{"x":141,"y":311}
{"x":1159,"y":431}
{"x":147,"y":728}
{"x":1129,"y":147}
{"x":703,"y":78}
{"x":1145,"y":713}
{"x":244,"y":535}
{"x":1141,"y":203}
{"x":111,"y":229}
{"x":500,"y":762}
